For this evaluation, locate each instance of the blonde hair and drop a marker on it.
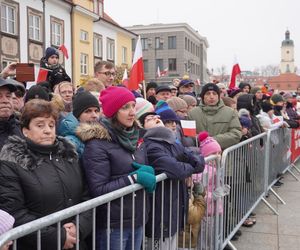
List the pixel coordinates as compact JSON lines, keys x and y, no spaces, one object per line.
{"x":94,"y":85}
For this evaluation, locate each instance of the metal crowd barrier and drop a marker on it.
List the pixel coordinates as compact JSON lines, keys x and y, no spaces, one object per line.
{"x":234,"y":186}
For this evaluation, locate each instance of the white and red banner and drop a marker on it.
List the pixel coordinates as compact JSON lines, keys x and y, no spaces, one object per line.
{"x":189,"y":128}
{"x":125,"y":78}
{"x":295,"y":144}
{"x":64,"y":50}
{"x":137,"y":70}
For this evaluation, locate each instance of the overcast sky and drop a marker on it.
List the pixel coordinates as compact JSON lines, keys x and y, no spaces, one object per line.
{"x":250,"y":30}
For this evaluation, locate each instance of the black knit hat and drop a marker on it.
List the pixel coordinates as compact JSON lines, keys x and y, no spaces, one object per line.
{"x":151,"y":85}
{"x":209,"y":87}
{"x":83,"y":101}
{"x":143,"y":117}
{"x":50,"y":51}
{"x":37,"y":92}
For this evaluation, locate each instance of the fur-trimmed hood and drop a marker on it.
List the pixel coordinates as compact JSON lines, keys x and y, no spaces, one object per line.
{"x":89,"y":131}
{"x":16,"y":150}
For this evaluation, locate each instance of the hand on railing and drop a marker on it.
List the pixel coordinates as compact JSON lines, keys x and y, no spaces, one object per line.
{"x":145,"y":176}
{"x":70,"y":235}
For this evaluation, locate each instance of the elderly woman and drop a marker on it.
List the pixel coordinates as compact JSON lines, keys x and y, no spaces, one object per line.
{"x":112,"y":160}
{"x":40,"y":175}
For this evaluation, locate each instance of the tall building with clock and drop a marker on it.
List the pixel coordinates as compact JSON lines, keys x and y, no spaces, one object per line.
{"x":287,"y":64}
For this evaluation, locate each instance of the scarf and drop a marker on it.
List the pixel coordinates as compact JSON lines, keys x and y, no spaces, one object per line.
{"x":128,"y":138}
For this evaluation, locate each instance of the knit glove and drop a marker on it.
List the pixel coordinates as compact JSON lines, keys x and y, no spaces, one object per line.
{"x":143,"y":167}
{"x":147,"y":180}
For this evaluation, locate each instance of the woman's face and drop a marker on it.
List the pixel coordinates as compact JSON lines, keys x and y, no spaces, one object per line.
{"x":66,"y":92}
{"x":126,"y":114}
{"x":41,"y":130}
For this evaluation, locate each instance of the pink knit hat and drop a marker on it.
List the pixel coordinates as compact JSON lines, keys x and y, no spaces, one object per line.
{"x":208,"y":145}
{"x":6,"y":222}
{"x":113,"y":98}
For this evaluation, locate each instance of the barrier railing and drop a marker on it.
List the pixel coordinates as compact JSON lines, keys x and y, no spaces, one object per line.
{"x":249,"y":169}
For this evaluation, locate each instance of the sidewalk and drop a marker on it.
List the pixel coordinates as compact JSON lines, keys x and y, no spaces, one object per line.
{"x":273,"y":232}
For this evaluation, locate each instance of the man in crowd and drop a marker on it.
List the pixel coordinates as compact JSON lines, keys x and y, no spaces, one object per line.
{"x":8,"y":122}
{"x":221,"y":122}
{"x":105,"y":72}
{"x":163,"y":93}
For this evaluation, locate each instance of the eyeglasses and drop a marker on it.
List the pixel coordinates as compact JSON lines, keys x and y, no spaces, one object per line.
{"x":151,"y":117}
{"x":108,"y":73}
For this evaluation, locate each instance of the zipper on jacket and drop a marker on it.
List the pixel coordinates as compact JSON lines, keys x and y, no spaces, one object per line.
{"x":133,"y":157}
{"x":50,"y":156}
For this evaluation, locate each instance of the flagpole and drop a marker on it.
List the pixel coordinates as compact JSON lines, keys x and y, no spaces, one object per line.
{"x":144,"y":89}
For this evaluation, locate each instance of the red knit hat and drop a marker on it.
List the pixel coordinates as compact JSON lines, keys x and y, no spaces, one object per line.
{"x":113,"y":98}
{"x":208,"y":145}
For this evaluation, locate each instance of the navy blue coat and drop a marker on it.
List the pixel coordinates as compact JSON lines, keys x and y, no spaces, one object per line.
{"x":107,"y":165}
{"x":167,"y":156}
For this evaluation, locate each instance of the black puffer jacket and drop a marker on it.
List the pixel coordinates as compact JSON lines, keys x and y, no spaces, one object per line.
{"x":36,"y":181}
{"x":8,"y":128}
{"x":56,"y":73}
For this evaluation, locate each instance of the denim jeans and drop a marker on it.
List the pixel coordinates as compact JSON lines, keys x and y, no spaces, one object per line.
{"x":115,"y":239}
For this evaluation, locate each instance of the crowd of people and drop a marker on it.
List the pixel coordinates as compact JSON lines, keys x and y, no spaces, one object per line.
{"x":61,"y":146}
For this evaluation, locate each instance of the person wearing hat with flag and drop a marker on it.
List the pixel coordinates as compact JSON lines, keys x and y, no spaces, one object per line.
{"x":221,"y":122}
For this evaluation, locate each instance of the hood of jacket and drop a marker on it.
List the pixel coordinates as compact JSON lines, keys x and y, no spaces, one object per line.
{"x":211,"y":110}
{"x":160,"y":134}
{"x":246,"y":101}
{"x":89,"y":131}
{"x":16,"y":150}
{"x":68,"y":125}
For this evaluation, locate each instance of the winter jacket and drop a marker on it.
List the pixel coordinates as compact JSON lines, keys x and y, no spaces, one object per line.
{"x":167,"y":156}
{"x":56,"y":73}
{"x":67,"y":128}
{"x":292,"y":123}
{"x":8,"y":128}
{"x":37,"y":180}
{"x":266,"y":122}
{"x":107,"y":165}
{"x":292,"y":111}
{"x":220,"y":121}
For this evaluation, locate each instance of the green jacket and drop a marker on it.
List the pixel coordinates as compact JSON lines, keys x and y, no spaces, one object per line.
{"x":220,"y":121}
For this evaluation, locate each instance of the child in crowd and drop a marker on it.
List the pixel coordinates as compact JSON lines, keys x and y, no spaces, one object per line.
{"x":56,"y":72}
{"x":6,"y":223}
{"x":169,"y":157}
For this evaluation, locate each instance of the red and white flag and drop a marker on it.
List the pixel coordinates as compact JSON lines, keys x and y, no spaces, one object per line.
{"x":42,"y":76}
{"x":64,"y":50}
{"x":137,"y":70}
{"x":125,"y":78}
{"x":235,"y":71}
{"x":189,"y":128}
{"x":164,"y":72}
{"x":158,"y":72}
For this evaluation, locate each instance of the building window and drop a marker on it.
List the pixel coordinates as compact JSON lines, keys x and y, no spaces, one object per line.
{"x":110,"y":49}
{"x":172,"y":42}
{"x":159,"y":63}
{"x":124,"y":55}
{"x":5,"y":63}
{"x":57,"y":31}
{"x":34,"y":27}
{"x":146,"y":66}
{"x":158,"y":43}
{"x":8,"y":19}
{"x":98,"y":45}
{"x":185,"y":43}
{"x":172,"y":64}
{"x":83,"y":64}
{"x":84,"y":35}
{"x":145,"y":44}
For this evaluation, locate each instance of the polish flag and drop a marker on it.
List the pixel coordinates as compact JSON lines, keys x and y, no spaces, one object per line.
{"x":189,"y":128}
{"x":64,"y":50}
{"x":158,"y":72}
{"x":137,"y":70}
{"x":125,"y":78}
{"x":164,"y":72}
{"x":235,"y":71}
{"x":42,"y":76}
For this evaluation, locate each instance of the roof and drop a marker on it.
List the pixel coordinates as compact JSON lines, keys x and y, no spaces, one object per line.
{"x":106,"y":17}
{"x":287,"y":81}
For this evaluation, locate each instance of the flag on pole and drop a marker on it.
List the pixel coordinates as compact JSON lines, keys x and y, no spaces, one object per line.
{"x":164,"y":72}
{"x":42,"y":76}
{"x":125,"y":78}
{"x":137,"y":70}
{"x":158,"y":72}
{"x":64,"y":50}
{"x":235,"y":71}
{"x":189,"y":128}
